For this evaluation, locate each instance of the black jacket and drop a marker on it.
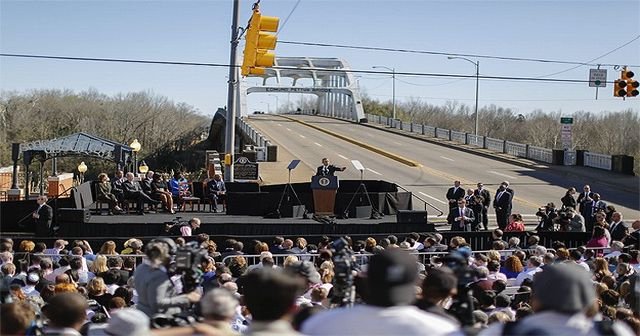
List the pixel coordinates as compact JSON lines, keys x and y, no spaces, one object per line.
{"x":329,"y":171}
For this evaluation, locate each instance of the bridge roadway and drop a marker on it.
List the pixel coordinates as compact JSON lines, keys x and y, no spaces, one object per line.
{"x":439,"y":166}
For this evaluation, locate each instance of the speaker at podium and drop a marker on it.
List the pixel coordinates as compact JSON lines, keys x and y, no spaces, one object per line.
{"x":324,"y":189}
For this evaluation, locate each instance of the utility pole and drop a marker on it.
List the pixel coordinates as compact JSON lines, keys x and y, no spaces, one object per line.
{"x":230,"y":133}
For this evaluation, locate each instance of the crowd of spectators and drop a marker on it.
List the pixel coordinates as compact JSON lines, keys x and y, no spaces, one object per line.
{"x":407,"y":285}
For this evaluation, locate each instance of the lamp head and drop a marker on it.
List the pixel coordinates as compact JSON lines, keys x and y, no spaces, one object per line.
{"x":143,"y":167}
{"x":82,"y":168}
{"x":135,"y":145}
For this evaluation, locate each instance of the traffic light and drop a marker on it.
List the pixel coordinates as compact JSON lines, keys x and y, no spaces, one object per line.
{"x":258,"y":43}
{"x":632,"y":84}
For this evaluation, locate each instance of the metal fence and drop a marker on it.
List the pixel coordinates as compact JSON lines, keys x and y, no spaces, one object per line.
{"x":601,"y":161}
{"x":515,"y":149}
{"x":541,"y":154}
{"x":459,"y":137}
{"x":494,"y":144}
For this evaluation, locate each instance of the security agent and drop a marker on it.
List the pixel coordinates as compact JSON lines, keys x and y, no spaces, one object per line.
{"x":328,"y":169}
{"x":156,"y":292}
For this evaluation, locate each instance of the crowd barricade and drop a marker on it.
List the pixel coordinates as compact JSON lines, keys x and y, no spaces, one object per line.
{"x":138,"y":257}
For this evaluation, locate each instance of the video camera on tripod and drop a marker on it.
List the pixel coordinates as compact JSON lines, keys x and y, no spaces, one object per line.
{"x":343,"y":281}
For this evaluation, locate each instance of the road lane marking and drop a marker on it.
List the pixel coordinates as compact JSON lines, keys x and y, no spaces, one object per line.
{"x":503,"y":175}
{"x":373,"y":171}
{"x":397,"y":143}
{"x":446,"y":158}
{"x":317,"y":144}
{"x":431,"y":197}
{"x":342,"y":156}
{"x":302,"y":136}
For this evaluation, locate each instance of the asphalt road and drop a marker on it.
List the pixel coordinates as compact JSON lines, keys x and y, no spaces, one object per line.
{"x":440,"y":166}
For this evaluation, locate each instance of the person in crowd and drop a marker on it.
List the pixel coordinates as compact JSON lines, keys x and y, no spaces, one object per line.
{"x":568,"y":200}
{"x":562,"y":296}
{"x":16,"y":317}
{"x":601,"y":221}
{"x":592,"y":208}
{"x":132,"y":191}
{"x":108,"y":248}
{"x":128,"y":321}
{"x":327,"y":169}
{"x":512,"y":267}
{"x":104,"y":194}
{"x":486,"y":202}
{"x":515,"y":223}
{"x":502,"y":205}
{"x":576,"y":222}
{"x":461,"y":218}
{"x":609,"y":210}
{"x":97,"y":290}
{"x":438,"y":288}
{"x":216,"y":191}
{"x":218,"y":308}
{"x":585,"y":196}
{"x":617,"y":228}
{"x":390,"y":291}
{"x":194,"y":225}
{"x":533,"y":267}
{"x":633,"y":237}
{"x":454,"y":194}
{"x":598,"y":239}
{"x":43,"y":217}
{"x":179,"y":186}
{"x":270,"y":296}
{"x":160,"y":191}
{"x":156,"y":292}
{"x":66,"y":313}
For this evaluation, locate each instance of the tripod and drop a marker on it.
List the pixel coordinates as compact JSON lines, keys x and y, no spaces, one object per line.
{"x":288,"y":188}
{"x":362,"y":188}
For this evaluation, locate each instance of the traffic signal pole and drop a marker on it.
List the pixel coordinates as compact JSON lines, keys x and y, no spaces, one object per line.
{"x":230,"y":134}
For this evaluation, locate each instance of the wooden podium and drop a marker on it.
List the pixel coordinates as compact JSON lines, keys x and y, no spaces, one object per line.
{"x":324,"y":194}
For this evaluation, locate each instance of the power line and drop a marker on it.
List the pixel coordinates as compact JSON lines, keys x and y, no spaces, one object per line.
{"x":417,"y":74}
{"x":288,"y":16}
{"x":441,"y":53}
{"x":595,"y":59}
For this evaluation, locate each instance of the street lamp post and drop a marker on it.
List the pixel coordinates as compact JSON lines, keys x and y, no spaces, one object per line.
{"x":135,"y":147}
{"x":276,"y":101}
{"x":393,"y":86}
{"x":143,"y":169}
{"x":82,"y":168}
{"x":477,"y":64}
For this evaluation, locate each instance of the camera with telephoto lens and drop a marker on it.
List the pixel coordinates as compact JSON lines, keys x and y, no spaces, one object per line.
{"x":187,"y":264}
{"x":343,"y":279}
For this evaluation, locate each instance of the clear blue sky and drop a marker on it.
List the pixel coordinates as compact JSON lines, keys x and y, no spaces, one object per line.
{"x":199,"y":31}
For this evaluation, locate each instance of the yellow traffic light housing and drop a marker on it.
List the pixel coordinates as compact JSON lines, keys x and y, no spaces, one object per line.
{"x":619,"y":87}
{"x":632,"y":84}
{"x":258,"y":43}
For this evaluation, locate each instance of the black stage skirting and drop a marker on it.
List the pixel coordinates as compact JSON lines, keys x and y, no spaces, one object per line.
{"x":301,"y":228}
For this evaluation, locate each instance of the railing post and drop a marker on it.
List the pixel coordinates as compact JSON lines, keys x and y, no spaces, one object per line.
{"x":504,"y":146}
{"x":484,"y":142}
{"x":526,"y":151}
{"x":422,"y":129}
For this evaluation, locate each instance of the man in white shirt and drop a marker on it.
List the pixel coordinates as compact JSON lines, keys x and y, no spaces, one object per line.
{"x":32,"y":282}
{"x":390,"y":279}
{"x":533,"y":267}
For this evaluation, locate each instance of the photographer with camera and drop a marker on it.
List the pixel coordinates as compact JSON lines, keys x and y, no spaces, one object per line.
{"x":547,"y":216}
{"x":156,"y":292}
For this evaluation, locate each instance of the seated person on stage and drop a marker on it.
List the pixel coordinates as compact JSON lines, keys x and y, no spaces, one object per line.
{"x":328,"y":169}
{"x":104,"y":194}
{"x":145,"y":183}
{"x":179,"y":186}
{"x":132,"y":191}
{"x":159,"y":191}
{"x":216,"y":191}
{"x":116,"y":185}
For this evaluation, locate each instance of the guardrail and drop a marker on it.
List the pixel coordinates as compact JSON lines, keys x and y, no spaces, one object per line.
{"x":256,"y":137}
{"x":600,"y":161}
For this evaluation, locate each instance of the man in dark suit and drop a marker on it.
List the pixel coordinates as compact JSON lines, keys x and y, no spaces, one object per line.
{"x":216,"y":191}
{"x":633,"y":238}
{"x":486,"y":202}
{"x":132,"y":191}
{"x":461,"y":217}
{"x":585,"y":196}
{"x":618,"y":228}
{"x":511,"y":192}
{"x":454,"y":194}
{"x":591,"y":208}
{"x":328,"y":169}
{"x":43,"y":217}
{"x":116,"y":185}
{"x":502,"y":204}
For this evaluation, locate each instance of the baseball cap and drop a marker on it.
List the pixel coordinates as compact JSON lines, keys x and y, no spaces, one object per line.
{"x":128,"y":321}
{"x":563,"y":288}
{"x":391,"y":278}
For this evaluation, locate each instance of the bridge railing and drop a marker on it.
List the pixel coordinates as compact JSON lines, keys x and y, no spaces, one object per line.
{"x":515,"y":149}
{"x":600,"y":161}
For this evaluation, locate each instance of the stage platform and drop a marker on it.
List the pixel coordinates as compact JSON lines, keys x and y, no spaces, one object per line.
{"x":153,"y":224}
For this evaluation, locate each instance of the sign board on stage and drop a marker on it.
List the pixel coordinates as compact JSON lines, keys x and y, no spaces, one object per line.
{"x":243,"y":169}
{"x":597,"y":77}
